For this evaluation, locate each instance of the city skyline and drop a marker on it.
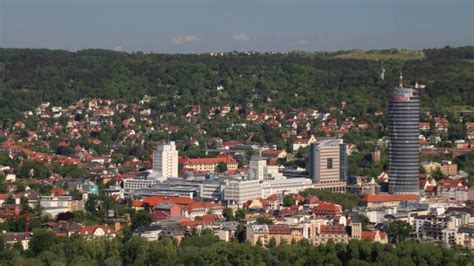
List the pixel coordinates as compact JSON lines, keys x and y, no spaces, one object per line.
{"x":206,"y":26}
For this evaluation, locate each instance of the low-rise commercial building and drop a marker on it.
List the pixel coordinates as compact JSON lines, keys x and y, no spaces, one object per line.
{"x":290,"y":185}
{"x":241,"y":191}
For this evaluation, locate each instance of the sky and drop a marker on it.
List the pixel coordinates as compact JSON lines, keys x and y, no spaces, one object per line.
{"x":189,"y":26}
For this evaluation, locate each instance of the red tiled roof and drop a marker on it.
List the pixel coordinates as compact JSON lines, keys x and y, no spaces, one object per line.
{"x":298,"y":197}
{"x":183,"y":202}
{"x":370,"y":235}
{"x":58,"y":191}
{"x":272,"y":197}
{"x":226,"y":158}
{"x":90,"y":230}
{"x":279,"y":229}
{"x":386,"y":198}
{"x":326,"y":207}
{"x":271,"y":153}
{"x":160,"y":215}
{"x":4,"y":196}
{"x":210,"y":218}
{"x":333,"y":229}
{"x":451,"y":183}
{"x":13,"y":236}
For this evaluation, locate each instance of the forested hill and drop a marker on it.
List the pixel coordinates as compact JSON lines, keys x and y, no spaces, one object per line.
{"x":317,"y":80}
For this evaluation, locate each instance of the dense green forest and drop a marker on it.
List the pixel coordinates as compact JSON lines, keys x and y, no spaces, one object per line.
{"x":317,"y":80}
{"x":47,"y":249}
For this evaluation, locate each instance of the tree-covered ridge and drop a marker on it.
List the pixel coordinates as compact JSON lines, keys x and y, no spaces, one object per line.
{"x":31,"y":76}
{"x":47,"y":249}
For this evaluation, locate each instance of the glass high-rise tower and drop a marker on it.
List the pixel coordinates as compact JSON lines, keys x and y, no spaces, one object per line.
{"x":404,"y":147}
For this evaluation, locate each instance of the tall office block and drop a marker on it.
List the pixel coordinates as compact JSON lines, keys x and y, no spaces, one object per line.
{"x":328,"y":164}
{"x":258,"y":168}
{"x":404,"y":147}
{"x":165,"y":160}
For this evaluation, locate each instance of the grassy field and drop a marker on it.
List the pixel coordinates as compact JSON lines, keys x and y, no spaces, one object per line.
{"x":382,"y":55}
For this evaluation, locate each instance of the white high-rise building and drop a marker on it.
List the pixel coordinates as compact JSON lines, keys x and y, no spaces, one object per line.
{"x":165,"y":160}
{"x":258,"y":168}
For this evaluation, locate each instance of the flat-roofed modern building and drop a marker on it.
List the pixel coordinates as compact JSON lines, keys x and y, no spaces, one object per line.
{"x":240,"y":191}
{"x":404,"y":147}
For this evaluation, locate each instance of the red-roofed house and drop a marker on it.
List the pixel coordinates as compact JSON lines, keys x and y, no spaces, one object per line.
{"x":327,"y":209}
{"x":441,"y":124}
{"x":274,"y":154}
{"x":92,"y":231}
{"x":280,"y":232}
{"x":57,"y":192}
{"x":375,"y":201}
{"x":8,"y":211}
{"x":424,"y":126}
{"x":336,"y":232}
{"x":375,"y":236}
{"x":301,"y":143}
{"x":453,"y":189}
{"x":17,"y":237}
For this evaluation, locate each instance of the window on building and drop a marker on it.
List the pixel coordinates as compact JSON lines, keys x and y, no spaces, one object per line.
{"x":329,"y":163}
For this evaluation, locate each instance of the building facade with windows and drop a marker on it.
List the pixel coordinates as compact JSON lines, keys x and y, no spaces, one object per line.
{"x":328,"y":164}
{"x":241,"y":191}
{"x":165,"y":160}
{"x":404,"y":144}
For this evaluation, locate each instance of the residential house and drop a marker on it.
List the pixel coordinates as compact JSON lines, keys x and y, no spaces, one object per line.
{"x":93,"y":231}
{"x":280,"y":232}
{"x":23,"y":238}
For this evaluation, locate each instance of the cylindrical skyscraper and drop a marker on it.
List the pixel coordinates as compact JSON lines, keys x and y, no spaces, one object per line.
{"x":403,"y":132}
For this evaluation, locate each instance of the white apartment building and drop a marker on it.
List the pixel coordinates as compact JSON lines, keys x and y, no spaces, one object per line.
{"x":165,"y":160}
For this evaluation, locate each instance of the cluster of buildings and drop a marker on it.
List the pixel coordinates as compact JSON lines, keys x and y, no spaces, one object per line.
{"x":309,"y":218}
{"x":328,"y":170}
{"x":185,"y":194}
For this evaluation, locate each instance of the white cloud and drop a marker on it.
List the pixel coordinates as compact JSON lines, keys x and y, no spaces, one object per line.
{"x":185,"y":39}
{"x":118,"y":48}
{"x":302,"y":42}
{"x":241,"y":37}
